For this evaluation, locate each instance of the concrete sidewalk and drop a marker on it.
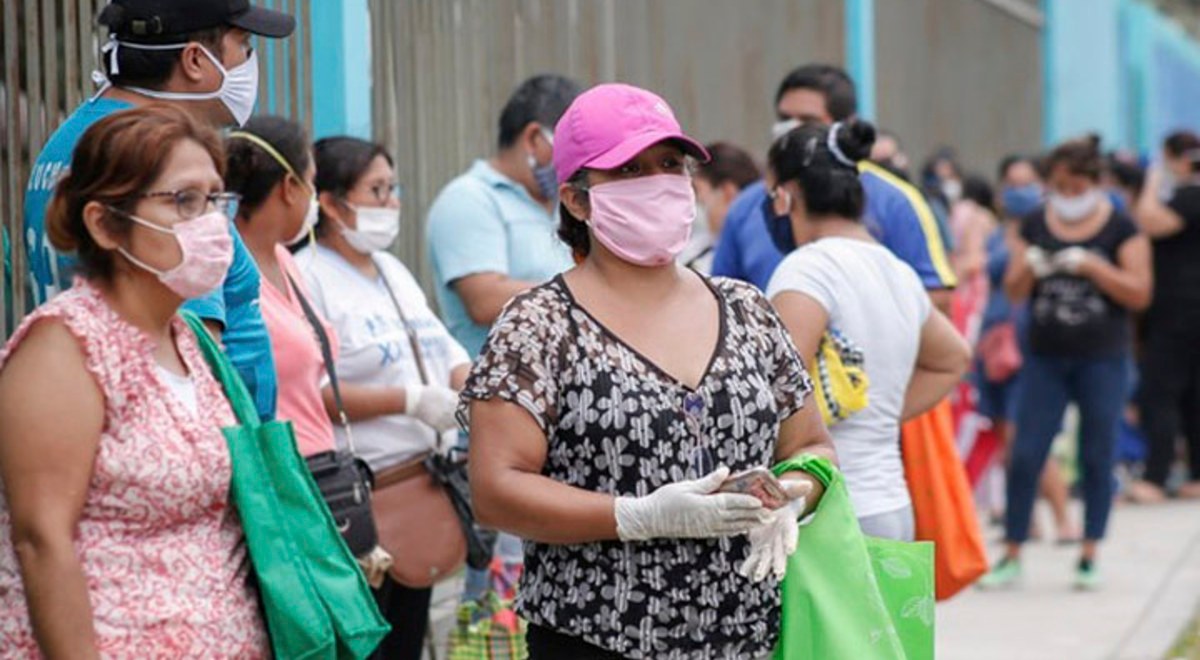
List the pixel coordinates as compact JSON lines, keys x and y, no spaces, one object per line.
{"x":1151,"y":567}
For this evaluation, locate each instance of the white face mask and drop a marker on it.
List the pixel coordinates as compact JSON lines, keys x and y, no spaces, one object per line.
{"x":239,"y":85}
{"x":310,"y":221}
{"x":783,"y":127}
{"x":1077,"y":208}
{"x":378,"y":226}
{"x":952,"y":189}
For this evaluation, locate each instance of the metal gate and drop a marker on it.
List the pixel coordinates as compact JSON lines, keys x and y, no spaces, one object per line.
{"x":966,"y":73}
{"x":48,"y":49}
{"x":443,"y":69}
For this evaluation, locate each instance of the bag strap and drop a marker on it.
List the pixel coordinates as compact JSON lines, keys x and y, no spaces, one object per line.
{"x":819,"y":467}
{"x":409,"y":330}
{"x":235,"y":390}
{"x":326,"y":356}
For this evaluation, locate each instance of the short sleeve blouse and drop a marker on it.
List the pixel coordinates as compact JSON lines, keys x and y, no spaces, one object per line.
{"x":615,"y":424}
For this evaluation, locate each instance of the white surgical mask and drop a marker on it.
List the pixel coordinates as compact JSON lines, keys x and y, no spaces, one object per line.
{"x":952,"y":189}
{"x":310,"y":221}
{"x":1077,"y":208}
{"x":239,"y":85}
{"x":377,"y":227}
{"x":783,"y":127}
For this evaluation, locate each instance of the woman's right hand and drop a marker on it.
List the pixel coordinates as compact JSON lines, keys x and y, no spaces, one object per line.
{"x":689,"y":509}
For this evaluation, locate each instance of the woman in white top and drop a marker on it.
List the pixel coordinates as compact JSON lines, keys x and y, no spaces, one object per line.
{"x":840,"y":277}
{"x":398,"y":367}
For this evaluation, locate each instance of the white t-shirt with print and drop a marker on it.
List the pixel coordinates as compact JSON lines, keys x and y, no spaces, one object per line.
{"x":375,"y":348}
{"x":877,"y":302}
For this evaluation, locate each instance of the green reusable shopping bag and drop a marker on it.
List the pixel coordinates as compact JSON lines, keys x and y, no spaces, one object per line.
{"x":356,"y":619}
{"x":320,"y":577}
{"x":297,"y":621}
{"x":847,"y":595}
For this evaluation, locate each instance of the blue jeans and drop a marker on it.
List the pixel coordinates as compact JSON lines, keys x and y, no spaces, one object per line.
{"x":1098,"y":386}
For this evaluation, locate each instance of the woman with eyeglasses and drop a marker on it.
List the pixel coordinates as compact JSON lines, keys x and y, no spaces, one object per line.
{"x":611,"y":405}
{"x":837,"y":276}
{"x":118,"y":535}
{"x":399,"y":368}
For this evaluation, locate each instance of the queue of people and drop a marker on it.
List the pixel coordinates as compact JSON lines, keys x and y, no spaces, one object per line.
{"x":600,"y":444}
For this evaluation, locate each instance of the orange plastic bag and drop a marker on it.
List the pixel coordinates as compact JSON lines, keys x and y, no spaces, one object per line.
{"x":942,"y":502}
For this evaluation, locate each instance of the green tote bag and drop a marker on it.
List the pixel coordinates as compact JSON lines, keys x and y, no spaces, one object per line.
{"x":847,"y":595}
{"x":296,"y":619}
{"x":317,"y":603}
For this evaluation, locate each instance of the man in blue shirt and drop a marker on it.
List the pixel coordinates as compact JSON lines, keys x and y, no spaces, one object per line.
{"x":183,"y":52}
{"x":491,"y":231}
{"x":896,"y":214}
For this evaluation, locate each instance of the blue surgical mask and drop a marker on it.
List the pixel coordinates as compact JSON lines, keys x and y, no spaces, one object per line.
{"x":779,"y":227}
{"x":1020,"y":201}
{"x":545,"y":175}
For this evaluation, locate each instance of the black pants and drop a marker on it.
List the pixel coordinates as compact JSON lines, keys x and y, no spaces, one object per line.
{"x":408,"y":612}
{"x":547,"y":644}
{"x":1170,"y":395}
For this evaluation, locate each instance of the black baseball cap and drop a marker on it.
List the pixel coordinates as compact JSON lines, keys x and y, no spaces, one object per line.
{"x":153,"y":21}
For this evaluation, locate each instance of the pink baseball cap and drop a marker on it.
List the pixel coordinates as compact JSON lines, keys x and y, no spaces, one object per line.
{"x":609,"y":124}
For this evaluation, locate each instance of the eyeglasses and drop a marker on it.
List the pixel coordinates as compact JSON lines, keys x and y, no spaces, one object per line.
{"x":382,"y":192}
{"x":193,"y":203}
{"x":700,"y":460}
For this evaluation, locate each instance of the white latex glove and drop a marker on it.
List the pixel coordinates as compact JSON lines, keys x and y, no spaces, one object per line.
{"x":689,"y":509}
{"x":1070,"y":259}
{"x":433,"y":405}
{"x":1039,"y":262}
{"x":773,"y":542}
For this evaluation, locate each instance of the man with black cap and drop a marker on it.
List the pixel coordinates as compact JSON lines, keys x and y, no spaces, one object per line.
{"x":197,"y":54}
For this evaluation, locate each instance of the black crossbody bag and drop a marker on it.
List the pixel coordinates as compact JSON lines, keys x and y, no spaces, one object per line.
{"x":344,"y":479}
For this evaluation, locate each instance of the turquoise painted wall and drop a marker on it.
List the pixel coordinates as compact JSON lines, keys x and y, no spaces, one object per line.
{"x":1162,"y":72}
{"x":1082,"y":65}
{"x":341,"y":68}
{"x":1120,"y":68}
{"x":860,"y":52}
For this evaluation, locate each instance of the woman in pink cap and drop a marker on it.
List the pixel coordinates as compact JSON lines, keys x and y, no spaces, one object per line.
{"x":611,"y":404}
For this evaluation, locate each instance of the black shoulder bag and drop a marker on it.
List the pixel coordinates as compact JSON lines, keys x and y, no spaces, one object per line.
{"x":343,"y":478}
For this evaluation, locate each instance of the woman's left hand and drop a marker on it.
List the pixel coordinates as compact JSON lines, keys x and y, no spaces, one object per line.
{"x":775,"y":540}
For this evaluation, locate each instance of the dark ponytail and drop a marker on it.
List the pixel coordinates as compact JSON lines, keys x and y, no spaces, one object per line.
{"x":252,"y":172}
{"x":826,"y":172}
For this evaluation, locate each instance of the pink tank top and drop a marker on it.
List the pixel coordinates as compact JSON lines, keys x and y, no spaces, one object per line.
{"x":159,"y":543}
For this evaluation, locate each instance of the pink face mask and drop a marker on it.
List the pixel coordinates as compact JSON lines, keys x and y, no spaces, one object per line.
{"x":646,"y":221}
{"x":207,"y":252}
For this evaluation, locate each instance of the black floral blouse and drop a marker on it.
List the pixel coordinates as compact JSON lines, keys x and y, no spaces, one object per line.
{"x":615,"y":423}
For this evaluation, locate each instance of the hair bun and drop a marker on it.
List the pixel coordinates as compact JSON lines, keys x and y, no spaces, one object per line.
{"x":855,"y":139}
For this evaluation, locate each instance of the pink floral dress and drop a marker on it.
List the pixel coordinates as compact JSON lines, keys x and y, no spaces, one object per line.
{"x":158,"y":540}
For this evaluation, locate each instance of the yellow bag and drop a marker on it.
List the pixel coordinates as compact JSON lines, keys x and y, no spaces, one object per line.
{"x":839,"y":380}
